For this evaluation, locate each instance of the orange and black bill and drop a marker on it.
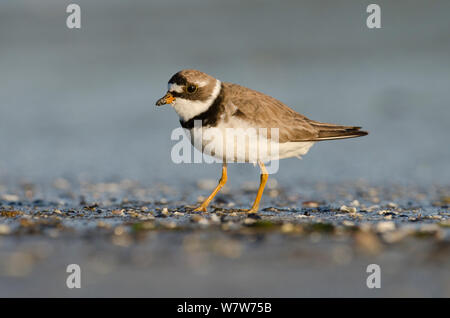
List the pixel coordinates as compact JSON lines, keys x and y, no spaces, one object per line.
{"x":166,"y":99}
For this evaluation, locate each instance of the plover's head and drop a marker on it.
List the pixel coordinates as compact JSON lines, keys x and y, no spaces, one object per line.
{"x":191,"y":93}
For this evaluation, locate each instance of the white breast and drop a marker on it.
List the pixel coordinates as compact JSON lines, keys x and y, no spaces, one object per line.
{"x":238,"y":142}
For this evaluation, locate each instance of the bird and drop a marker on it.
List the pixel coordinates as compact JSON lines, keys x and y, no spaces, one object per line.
{"x":205,"y":104}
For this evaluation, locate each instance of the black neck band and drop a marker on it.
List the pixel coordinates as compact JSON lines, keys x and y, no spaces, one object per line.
{"x":210,"y":116}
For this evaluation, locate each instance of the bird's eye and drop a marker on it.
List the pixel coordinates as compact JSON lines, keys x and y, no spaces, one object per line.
{"x":191,"y":89}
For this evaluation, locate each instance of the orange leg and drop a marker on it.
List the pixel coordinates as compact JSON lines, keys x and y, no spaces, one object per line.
{"x":222,"y":181}
{"x":264,"y":177}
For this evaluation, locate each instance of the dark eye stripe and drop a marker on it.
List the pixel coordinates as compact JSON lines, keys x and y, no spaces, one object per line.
{"x":176,"y":94}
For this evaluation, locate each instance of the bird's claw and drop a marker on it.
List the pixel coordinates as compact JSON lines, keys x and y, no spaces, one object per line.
{"x":201,"y":208}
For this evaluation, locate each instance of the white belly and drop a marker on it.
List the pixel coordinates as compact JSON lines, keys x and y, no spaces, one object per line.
{"x":244,"y":145}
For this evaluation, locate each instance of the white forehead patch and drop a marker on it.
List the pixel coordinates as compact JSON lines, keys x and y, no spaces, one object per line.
{"x":175,"y":88}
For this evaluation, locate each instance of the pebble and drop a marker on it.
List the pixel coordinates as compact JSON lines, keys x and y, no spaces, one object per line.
{"x":348,"y":209}
{"x":118,"y":212}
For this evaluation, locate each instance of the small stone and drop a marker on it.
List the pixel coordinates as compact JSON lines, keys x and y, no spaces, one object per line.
{"x":165,"y":211}
{"x":133,"y":214}
{"x":118,"y":212}
{"x":373,"y":208}
{"x":355,"y":203}
{"x":178,"y":213}
{"x":348,"y":209}
{"x":392,"y":205}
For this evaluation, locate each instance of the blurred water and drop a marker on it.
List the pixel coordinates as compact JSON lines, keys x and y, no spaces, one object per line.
{"x":81,"y":102}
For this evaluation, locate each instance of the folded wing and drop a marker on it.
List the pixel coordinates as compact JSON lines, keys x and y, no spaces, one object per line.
{"x":264,"y":111}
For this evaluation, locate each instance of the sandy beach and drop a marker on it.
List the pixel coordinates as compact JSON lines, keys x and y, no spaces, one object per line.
{"x":139,"y":241}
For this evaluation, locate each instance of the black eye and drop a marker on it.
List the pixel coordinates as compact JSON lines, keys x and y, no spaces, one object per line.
{"x":191,"y":89}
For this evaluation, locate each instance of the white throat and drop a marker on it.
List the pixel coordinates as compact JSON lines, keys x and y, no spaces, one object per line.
{"x":188,"y":109}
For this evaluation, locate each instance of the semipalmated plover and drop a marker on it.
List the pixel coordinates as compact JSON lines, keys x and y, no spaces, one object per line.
{"x":200,"y":98}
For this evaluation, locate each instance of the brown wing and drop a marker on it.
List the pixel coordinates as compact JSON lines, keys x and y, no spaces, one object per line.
{"x":267,"y":112}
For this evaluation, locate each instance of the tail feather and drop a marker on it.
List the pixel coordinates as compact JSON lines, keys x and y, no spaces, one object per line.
{"x":330,"y":131}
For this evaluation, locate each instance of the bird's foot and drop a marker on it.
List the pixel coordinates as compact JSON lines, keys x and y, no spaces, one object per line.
{"x":249,"y":211}
{"x":201,"y":208}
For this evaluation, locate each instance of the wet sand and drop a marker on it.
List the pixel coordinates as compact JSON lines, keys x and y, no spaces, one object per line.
{"x":308,"y":240}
